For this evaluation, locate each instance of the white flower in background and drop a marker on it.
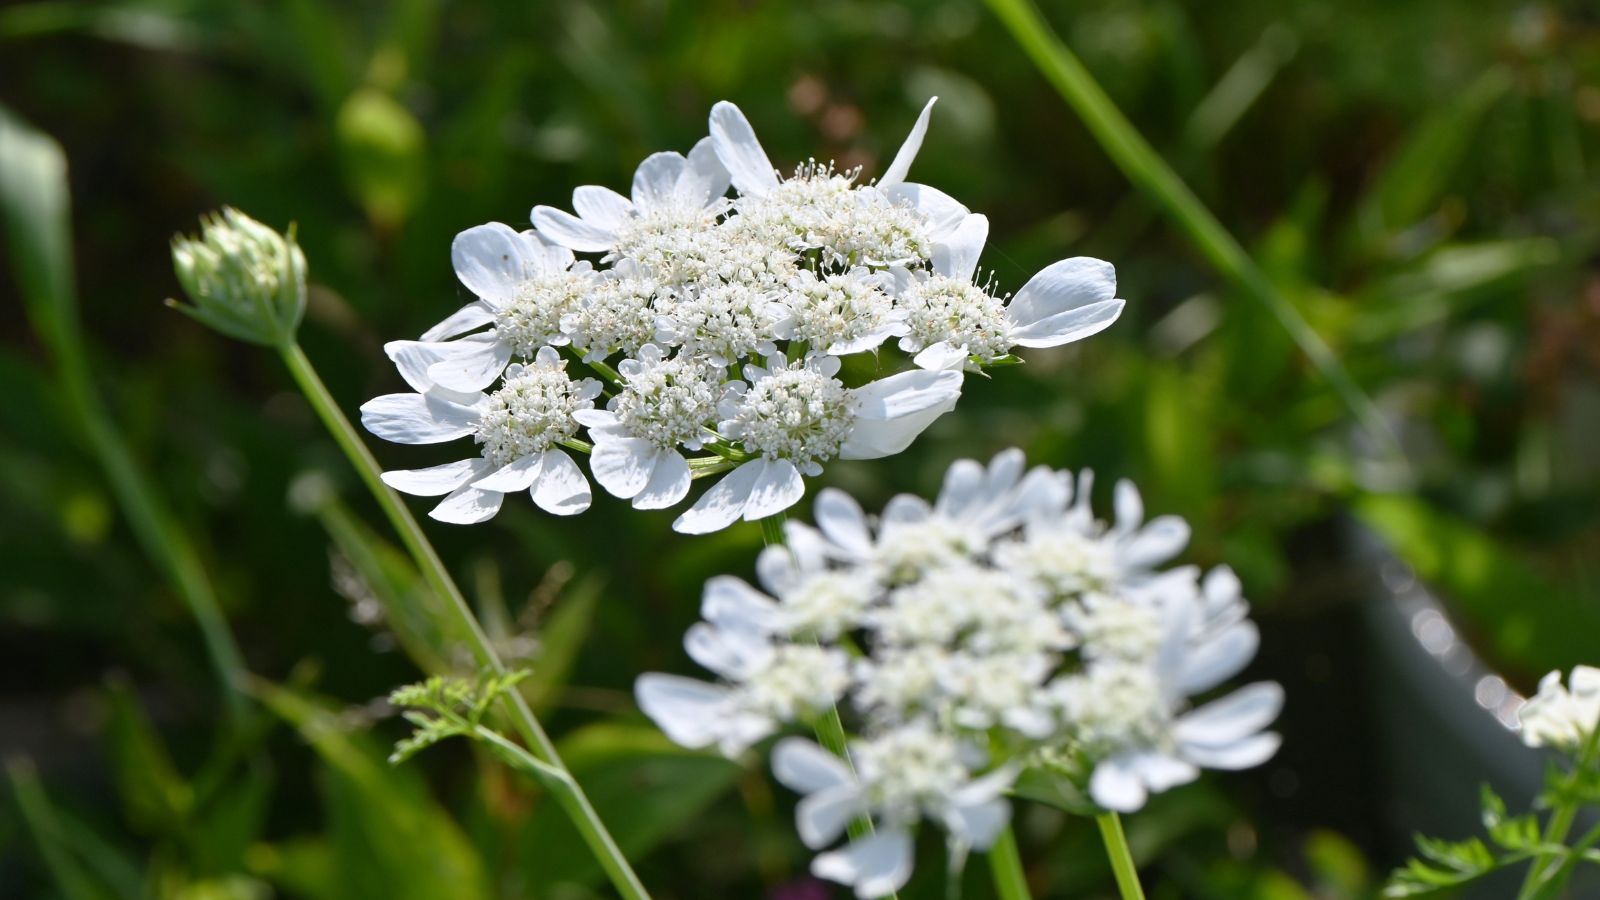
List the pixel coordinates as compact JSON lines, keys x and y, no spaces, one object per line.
{"x":1559,"y":717}
{"x":794,"y":417}
{"x":901,"y":776}
{"x":519,"y":428}
{"x":1000,"y":627}
{"x":673,"y":197}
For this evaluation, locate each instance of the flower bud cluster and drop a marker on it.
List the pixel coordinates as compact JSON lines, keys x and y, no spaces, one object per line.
{"x":999,"y":629}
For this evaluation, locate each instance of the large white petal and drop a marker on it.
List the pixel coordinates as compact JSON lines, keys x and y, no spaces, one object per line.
{"x":434,"y":481}
{"x":963,"y":488}
{"x":490,"y":259}
{"x":623,"y":466}
{"x":778,"y":488}
{"x":943,"y":212}
{"x":741,"y":154}
{"x":688,"y":711}
{"x":1155,"y":543}
{"x":877,"y":865}
{"x":561,"y":488}
{"x":474,"y":365}
{"x":417,"y":418}
{"x":804,"y":767}
{"x":414,"y":358}
{"x":978,"y":824}
{"x":731,"y":653}
{"x":892,"y":411}
{"x":1218,"y":659}
{"x":723,"y":504}
{"x":463,"y":320}
{"x":731,"y":602}
{"x":656,"y":179}
{"x":601,"y":206}
{"x":668,"y":484}
{"x":1161,"y":772}
{"x":841,"y":518}
{"x":1116,"y":786}
{"x":569,"y":231}
{"x":957,"y":255}
{"x":1067,"y":284}
{"x":468,"y":506}
{"x":820,"y":817}
{"x":1238,"y":715}
{"x":1243,"y":754}
{"x":517,"y":475}
{"x":1066,"y":327}
{"x":896,"y":173}
{"x":705,"y":179}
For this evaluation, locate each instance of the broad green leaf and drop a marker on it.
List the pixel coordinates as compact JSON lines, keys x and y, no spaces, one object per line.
{"x":391,"y":840}
{"x":645,"y":788}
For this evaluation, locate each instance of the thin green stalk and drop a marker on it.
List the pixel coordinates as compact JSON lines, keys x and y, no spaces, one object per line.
{"x":575,"y":802}
{"x":1146,"y":169}
{"x":1005,"y":863}
{"x":1121,"y":857}
{"x":34,"y":205}
{"x":1561,"y":819}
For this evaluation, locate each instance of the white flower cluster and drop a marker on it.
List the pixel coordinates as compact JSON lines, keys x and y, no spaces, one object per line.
{"x":712,"y":325}
{"x":1561,"y":718}
{"x":999,"y":628}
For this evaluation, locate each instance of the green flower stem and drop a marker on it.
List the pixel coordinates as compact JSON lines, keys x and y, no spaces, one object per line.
{"x":829,"y":727}
{"x":541,"y":748}
{"x":1121,"y":857}
{"x":1560,"y":824}
{"x":1146,"y":169}
{"x":1005,"y":863}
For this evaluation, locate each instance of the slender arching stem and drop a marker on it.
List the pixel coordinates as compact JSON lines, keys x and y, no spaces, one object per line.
{"x":1121,"y":857}
{"x":1005,"y":863}
{"x":575,"y":802}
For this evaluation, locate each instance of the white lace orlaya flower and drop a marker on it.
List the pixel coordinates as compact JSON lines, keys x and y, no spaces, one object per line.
{"x":766,"y":682}
{"x":921,"y":775}
{"x":950,"y":318}
{"x":838,"y":313}
{"x":815,"y":598}
{"x":794,"y":417}
{"x":890,"y":207}
{"x":976,"y":504}
{"x":722,"y":321}
{"x":616,"y":314}
{"x":664,"y":404}
{"x":1206,"y":643}
{"x":524,"y":286}
{"x":670,"y":193}
{"x":519,"y":428}
{"x":1559,"y":717}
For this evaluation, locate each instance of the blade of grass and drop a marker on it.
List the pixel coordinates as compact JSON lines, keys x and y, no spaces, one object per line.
{"x":33,"y":203}
{"x":1147,"y":171}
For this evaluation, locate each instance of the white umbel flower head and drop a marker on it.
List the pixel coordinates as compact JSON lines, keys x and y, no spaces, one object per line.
{"x":519,"y":427}
{"x":969,"y":657}
{"x":1560,"y":717}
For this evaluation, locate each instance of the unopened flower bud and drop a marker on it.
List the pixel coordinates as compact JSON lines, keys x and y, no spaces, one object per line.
{"x":244,"y":279}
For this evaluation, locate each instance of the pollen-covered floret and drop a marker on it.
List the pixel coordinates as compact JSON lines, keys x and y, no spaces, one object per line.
{"x":1061,"y":559}
{"x":668,"y":402}
{"x":616,"y":314}
{"x":798,"y":412}
{"x":799,"y":681}
{"x":940,"y":309}
{"x":838,"y":313}
{"x":533,"y":410}
{"x":532,"y":318}
{"x":910,"y":769}
{"x":724,"y":322}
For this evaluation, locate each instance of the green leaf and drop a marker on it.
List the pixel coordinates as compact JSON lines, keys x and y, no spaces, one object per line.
{"x":392,"y":841}
{"x":68,"y":848}
{"x":644,"y":787}
{"x":155,"y":798}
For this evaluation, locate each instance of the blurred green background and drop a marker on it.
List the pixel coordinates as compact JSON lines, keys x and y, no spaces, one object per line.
{"x":1417,"y":180}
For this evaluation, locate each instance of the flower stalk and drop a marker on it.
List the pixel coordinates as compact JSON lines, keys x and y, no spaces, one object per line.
{"x":1005,"y":864}
{"x":1121,"y":857}
{"x":1539,"y":880}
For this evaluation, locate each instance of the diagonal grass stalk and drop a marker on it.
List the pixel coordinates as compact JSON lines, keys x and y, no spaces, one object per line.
{"x":1005,"y":864}
{"x":34,"y":205}
{"x":542,"y":750}
{"x":1146,"y":169}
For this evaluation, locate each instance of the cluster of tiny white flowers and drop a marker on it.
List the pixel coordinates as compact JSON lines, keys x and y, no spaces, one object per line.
{"x":804,"y":269}
{"x":969,"y":668}
{"x":532,"y":411}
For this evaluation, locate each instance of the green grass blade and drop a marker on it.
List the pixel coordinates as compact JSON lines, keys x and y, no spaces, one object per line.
{"x":1134,"y":156}
{"x":33,"y":204}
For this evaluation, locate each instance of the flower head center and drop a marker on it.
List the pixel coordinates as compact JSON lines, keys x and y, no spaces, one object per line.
{"x":529,"y":413}
{"x":959,"y":312}
{"x":669,"y":403}
{"x":796,"y":414}
{"x":532,"y":317}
